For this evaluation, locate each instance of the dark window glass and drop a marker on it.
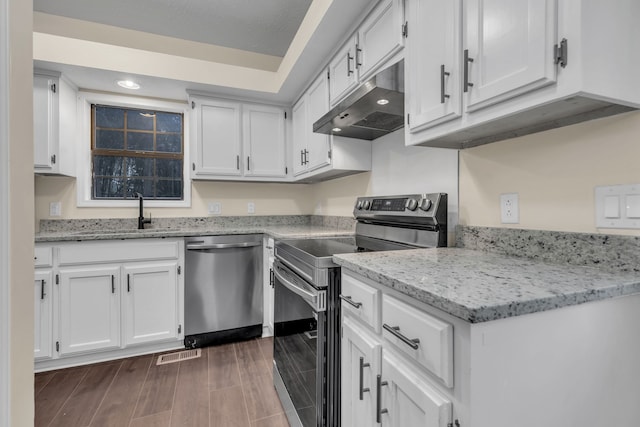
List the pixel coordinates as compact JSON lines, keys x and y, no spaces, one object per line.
{"x":137,"y":151}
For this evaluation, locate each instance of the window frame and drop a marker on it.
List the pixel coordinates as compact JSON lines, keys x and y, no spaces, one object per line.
{"x":84,"y":141}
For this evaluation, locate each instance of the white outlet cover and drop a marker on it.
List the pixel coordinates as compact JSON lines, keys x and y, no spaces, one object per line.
{"x":251,"y":208}
{"x":509,"y":208}
{"x":55,"y":209}
{"x":215,"y":208}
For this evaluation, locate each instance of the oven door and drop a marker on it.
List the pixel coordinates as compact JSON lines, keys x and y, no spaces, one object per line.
{"x":300,"y":348}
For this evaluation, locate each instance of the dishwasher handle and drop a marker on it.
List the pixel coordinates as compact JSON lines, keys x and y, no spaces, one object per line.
{"x":198,"y":247}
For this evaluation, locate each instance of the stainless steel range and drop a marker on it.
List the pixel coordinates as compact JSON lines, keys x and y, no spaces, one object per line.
{"x":306,"y":366}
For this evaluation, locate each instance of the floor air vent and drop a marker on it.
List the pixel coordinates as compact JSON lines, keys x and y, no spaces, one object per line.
{"x":179,"y":356}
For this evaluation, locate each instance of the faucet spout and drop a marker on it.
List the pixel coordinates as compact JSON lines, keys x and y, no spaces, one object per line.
{"x":141,"y":219}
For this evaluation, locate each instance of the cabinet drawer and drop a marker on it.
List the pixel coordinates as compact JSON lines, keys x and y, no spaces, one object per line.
{"x":429,"y":340}
{"x":43,"y":256}
{"x":361,"y":300}
{"x":118,"y":251}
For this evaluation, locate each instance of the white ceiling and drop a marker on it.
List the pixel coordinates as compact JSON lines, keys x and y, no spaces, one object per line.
{"x":261,"y":26}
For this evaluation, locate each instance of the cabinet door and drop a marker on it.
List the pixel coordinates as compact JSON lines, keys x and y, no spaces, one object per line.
{"x":45,"y":121}
{"x":318,"y":145}
{"x":299,"y":134}
{"x":379,"y":37}
{"x":433,"y":93}
{"x":408,"y":397}
{"x":43,"y":311}
{"x":218,"y":138}
{"x":342,"y":72}
{"x":264,"y":141}
{"x":360,"y":366}
{"x":89,"y":309}
{"x":511,"y":45}
{"x":150,"y":302}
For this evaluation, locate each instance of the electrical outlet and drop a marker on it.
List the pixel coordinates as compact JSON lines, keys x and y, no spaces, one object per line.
{"x":215,"y":208}
{"x":509,"y":208}
{"x":55,"y":209}
{"x":251,"y":208}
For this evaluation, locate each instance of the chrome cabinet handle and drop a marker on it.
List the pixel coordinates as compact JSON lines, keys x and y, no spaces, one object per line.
{"x":349,"y":59}
{"x":466,"y":85}
{"x":443,"y":74}
{"x":350,"y":301}
{"x":361,"y":389}
{"x":395,"y":330}
{"x":42,"y":294}
{"x":379,"y":409}
{"x":358,"y":51}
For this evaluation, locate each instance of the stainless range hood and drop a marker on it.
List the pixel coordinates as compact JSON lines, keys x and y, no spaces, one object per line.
{"x":374,"y":109}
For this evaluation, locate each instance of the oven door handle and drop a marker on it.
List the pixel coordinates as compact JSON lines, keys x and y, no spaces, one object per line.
{"x":317,"y":299}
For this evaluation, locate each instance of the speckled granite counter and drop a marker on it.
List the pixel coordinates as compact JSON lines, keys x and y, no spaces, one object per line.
{"x":280,"y":227}
{"x":479,"y":286}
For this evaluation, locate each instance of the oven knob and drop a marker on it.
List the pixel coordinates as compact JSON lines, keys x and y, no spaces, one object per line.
{"x":425,"y":204}
{"x":367,"y":204}
{"x":359,"y":205}
{"x":411,"y":204}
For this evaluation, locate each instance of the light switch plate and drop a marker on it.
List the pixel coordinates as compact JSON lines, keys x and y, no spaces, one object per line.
{"x":618,"y":206}
{"x":509,"y":208}
{"x":215,"y":208}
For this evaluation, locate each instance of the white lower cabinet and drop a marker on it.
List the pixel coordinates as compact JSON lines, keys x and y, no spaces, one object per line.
{"x":42,"y":344}
{"x":407,"y":398}
{"x":89,"y":312}
{"x":149,"y":302}
{"x":108,"y":299}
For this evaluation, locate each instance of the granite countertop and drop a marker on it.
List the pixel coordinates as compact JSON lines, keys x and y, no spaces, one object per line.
{"x":479,"y":286}
{"x":277,"y":231}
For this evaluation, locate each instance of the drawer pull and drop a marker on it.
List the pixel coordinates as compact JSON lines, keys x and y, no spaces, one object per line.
{"x":362,"y":366}
{"x":379,"y":410}
{"x":395,"y":330}
{"x":350,"y":301}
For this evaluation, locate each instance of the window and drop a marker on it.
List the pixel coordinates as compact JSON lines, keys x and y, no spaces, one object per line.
{"x":136,"y":151}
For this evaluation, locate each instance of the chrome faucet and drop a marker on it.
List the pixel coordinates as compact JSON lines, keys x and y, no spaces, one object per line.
{"x":141,"y":219}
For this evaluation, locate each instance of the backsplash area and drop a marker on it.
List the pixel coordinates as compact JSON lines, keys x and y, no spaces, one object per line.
{"x":608,"y":252}
{"x":61,"y":225}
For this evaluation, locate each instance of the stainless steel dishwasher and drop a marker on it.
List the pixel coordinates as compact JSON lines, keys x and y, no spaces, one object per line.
{"x":223,"y":289}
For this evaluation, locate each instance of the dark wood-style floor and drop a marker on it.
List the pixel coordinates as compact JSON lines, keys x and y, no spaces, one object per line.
{"x":228,"y":386}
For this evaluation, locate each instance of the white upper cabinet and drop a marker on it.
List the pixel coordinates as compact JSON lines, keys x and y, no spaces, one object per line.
{"x":508,"y":49}
{"x":523,"y":66}
{"x":263,"y":141}
{"x":433,"y":87}
{"x":238,"y":141}
{"x":218,"y":138}
{"x":54,"y":124}
{"x":342,"y":71}
{"x":317,"y":156}
{"x":380,"y":36}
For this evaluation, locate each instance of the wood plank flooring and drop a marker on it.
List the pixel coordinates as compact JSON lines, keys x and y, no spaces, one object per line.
{"x":229,"y":385}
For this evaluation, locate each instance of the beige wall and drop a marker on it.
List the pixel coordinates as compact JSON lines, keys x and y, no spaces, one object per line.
{"x":553,"y":172}
{"x":20,"y":213}
{"x":269,"y":199}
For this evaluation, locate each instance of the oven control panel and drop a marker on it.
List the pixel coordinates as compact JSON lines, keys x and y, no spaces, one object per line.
{"x":429,"y":205}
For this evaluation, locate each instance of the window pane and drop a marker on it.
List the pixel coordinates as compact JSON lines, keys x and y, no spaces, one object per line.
{"x":140,"y":120}
{"x":141,"y":141}
{"x":142,"y":186}
{"x":167,"y":168}
{"x":110,"y":139}
{"x":107,"y":165}
{"x":169,"y":142}
{"x":107,"y":117}
{"x":139,"y":166}
{"x":168,"y":122}
{"x":169,"y":189}
{"x":108,"y":187}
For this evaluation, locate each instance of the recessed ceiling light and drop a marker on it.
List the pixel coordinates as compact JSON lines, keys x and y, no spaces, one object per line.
{"x":383,"y":101}
{"x":336,"y":130}
{"x":128,"y":84}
